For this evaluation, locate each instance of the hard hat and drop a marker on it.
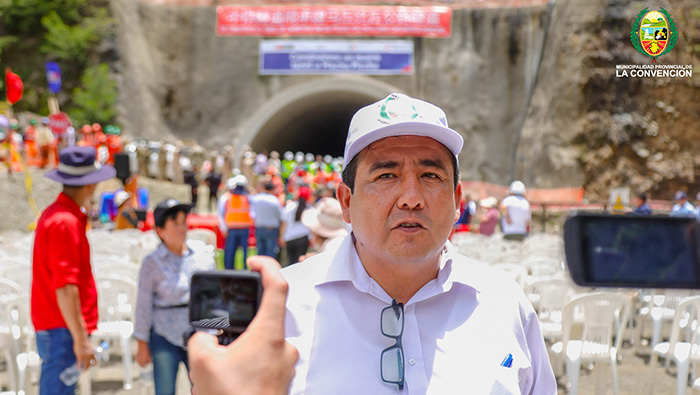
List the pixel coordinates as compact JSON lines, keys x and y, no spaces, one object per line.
{"x":241,"y":180}
{"x":231,"y":183}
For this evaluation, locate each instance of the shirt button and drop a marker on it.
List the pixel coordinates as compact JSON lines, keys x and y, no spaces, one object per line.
{"x":411,"y":361}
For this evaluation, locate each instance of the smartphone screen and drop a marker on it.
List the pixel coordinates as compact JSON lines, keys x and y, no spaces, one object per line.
{"x":653,"y":252}
{"x":225,"y":300}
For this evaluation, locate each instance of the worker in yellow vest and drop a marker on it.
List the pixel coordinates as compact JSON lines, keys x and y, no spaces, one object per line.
{"x":234,"y":218}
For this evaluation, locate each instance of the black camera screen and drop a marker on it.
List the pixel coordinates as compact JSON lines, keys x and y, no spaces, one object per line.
{"x":639,"y":251}
{"x":221,"y":302}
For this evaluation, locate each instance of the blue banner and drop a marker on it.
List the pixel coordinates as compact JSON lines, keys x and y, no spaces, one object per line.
{"x":336,"y":57}
{"x":53,"y":77}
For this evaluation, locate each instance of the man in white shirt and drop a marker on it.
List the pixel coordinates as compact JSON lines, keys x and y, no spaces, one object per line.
{"x":516,"y":213}
{"x":268,"y":211}
{"x":396,"y":307}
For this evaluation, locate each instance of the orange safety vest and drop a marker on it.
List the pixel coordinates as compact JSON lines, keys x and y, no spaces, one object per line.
{"x":237,"y":214}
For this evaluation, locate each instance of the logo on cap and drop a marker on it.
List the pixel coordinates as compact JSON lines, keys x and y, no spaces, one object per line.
{"x":395,"y":110}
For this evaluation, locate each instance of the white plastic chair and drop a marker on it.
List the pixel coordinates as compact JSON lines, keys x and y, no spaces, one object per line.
{"x":603,"y":317}
{"x":513,"y":258}
{"x":107,"y":265}
{"x":548,"y":297}
{"x":513,"y":270}
{"x":661,"y":309}
{"x":22,"y":275}
{"x":116,"y":302}
{"x":26,"y":358}
{"x":9,"y":332}
{"x":683,"y":345}
{"x":205,"y":235}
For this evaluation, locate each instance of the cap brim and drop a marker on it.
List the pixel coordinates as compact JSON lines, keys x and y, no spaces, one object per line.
{"x":444,"y":135}
{"x":104,"y":173}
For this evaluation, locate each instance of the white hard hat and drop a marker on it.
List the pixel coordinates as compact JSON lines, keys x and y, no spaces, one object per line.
{"x":241,"y":180}
{"x":231,"y":183}
{"x":517,"y":188}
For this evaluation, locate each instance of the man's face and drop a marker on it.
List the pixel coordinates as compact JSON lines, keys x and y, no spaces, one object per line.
{"x":404,"y":204}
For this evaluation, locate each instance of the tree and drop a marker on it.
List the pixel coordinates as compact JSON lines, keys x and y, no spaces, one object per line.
{"x":95,"y":100}
{"x":66,"y":31}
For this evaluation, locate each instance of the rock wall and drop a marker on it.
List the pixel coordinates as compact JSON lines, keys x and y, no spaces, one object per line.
{"x":179,"y":80}
{"x":585,"y":126}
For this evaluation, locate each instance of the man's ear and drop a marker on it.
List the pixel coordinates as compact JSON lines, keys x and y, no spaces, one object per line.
{"x":458,"y":200}
{"x":344,"y":194}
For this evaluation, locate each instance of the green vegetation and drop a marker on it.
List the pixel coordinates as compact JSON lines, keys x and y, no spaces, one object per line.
{"x":69,"y":32}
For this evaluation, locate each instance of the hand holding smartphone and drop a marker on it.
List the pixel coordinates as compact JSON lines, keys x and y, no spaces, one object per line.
{"x":260,"y":360}
{"x":224,"y":302}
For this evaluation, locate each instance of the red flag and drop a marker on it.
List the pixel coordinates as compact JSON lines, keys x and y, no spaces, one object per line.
{"x":14,"y":86}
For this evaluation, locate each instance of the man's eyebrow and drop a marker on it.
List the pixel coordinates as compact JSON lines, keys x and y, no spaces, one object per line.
{"x":436,"y":163}
{"x":389,"y":164}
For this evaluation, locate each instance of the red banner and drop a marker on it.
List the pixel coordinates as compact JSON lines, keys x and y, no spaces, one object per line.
{"x":14,"y":87}
{"x":331,"y":20}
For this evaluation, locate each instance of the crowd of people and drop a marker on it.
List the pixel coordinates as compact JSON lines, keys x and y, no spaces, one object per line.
{"x":35,"y":144}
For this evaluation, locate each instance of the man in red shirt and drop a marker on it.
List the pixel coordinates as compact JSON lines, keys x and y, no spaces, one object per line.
{"x":64,"y":297}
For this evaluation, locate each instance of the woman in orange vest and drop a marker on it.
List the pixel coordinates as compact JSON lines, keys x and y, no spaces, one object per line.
{"x":234,"y":214}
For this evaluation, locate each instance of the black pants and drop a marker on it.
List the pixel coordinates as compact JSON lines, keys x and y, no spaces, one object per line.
{"x":297,"y":248}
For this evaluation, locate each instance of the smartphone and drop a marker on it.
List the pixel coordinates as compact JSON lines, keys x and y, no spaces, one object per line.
{"x":632,"y":251}
{"x":224,"y":301}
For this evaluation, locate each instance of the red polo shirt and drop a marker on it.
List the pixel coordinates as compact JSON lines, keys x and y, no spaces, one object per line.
{"x":61,"y":257}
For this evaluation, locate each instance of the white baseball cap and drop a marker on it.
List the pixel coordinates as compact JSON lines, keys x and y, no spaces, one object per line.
{"x":399,"y":115}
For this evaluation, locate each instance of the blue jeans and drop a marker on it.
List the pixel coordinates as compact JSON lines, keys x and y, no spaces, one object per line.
{"x":267,"y":241}
{"x":235,"y":238}
{"x":55,"y":348}
{"x":166,"y":360}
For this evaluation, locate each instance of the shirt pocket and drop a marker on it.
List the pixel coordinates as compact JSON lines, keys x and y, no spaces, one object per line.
{"x":505,"y":381}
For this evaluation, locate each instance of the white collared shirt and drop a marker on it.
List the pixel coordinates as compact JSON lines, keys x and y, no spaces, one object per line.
{"x":458,"y":329}
{"x":519,"y":212}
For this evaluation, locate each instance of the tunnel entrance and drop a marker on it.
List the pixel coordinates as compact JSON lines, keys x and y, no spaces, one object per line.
{"x":313,"y":117}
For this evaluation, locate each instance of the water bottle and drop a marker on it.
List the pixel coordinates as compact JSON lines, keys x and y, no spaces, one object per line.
{"x":103,"y":351}
{"x":70,"y":375}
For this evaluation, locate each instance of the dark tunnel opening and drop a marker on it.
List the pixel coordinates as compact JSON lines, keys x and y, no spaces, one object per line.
{"x":316,"y":124}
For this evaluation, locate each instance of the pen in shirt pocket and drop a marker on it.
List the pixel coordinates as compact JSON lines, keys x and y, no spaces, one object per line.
{"x":507,"y":361}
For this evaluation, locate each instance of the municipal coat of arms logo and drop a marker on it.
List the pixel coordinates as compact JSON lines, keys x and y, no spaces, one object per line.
{"x":654,"y":33}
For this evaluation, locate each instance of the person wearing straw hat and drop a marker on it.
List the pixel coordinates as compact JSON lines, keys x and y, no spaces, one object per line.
{"x":64,"y":296}
{"x":326,"y":224}
{"x":395,"y":304}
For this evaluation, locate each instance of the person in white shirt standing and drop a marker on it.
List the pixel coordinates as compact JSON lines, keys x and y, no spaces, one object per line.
{"x":516,"y":212}
{"x":395,"y":308}
{"x":268,"y":211}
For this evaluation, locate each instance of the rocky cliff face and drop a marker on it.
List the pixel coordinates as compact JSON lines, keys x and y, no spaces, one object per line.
{"x":179,"y":80}
{"x":588,"y":127}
